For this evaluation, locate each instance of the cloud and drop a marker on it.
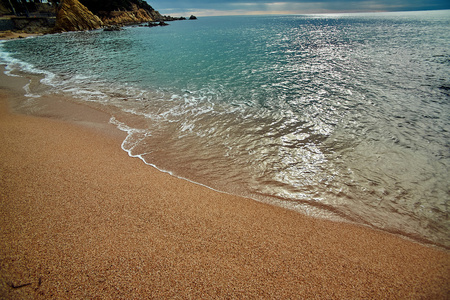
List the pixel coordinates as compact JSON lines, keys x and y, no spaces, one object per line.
{"x":243,"y":7}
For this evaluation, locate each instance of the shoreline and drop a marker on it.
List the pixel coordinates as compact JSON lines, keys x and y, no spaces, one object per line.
{"x":11,"y":35}
{"x":64,"y":111}
{"x":54,"y":106}
{"x":95,"y":117}
{"x":80,"y":218}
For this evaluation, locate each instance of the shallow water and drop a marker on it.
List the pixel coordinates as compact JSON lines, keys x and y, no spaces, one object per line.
{"x":338,"y":116}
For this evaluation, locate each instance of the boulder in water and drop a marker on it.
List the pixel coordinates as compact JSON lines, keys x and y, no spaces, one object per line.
{"x":112,"y":28}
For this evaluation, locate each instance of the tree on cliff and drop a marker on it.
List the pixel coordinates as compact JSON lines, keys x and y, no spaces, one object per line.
{"x":19,"y":7}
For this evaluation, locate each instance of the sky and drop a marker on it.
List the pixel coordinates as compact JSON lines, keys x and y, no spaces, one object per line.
{"x":177,"y":8}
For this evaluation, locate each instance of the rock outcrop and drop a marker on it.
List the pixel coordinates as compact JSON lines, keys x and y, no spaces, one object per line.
{"x":74,"y":16}
{"x":154,"y":24}
{"x":112,"y":28}
{"x":134,"y":16}
{"x":123,"y":12}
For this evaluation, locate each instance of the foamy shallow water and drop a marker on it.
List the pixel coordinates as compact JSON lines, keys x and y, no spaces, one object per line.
{"x":338,"y":116}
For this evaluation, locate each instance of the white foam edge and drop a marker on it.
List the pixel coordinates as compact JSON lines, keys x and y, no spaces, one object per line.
{"x":12,"y":64}
{"x":28,"y":93}
{"x":297,"y":207}
{"x":123,"y":127}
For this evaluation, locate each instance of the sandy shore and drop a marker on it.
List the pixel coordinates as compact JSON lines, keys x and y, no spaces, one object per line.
{"x":9,"y":35}
{"x":81,"y":219}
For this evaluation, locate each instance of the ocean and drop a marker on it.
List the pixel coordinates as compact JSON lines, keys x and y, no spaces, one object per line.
{"x":343,"y":116}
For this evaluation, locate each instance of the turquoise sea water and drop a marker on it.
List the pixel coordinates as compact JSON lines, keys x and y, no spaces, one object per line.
{"x":337,"y":116}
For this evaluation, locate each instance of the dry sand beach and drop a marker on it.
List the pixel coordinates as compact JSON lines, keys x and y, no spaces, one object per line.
{"x":81,"y":219}
{"x":9,"y":35}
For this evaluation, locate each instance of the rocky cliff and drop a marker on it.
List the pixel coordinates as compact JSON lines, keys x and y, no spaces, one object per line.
{"x":120,"y":12}
{"x":74,"y":16}
{"x":135,"y":15}
{"x":97,"y":6}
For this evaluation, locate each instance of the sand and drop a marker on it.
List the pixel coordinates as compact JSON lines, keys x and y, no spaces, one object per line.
{"x":82,"y":219}
{"x":10,"y":35}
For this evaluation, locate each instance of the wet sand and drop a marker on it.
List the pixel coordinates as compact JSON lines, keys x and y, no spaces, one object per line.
{"x":81,"y":219}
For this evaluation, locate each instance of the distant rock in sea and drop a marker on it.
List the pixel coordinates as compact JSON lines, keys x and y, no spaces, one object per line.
{"x":192,"y":17}
{"x":154,"y":24}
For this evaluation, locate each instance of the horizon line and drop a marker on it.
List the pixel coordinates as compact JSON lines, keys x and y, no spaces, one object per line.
{"x":220,"y":13}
